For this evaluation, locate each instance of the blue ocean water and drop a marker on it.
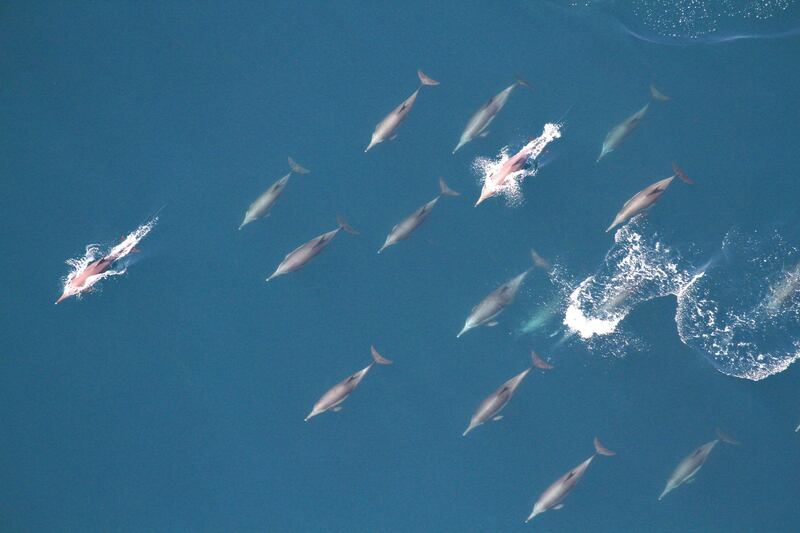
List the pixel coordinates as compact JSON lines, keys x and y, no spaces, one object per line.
{"x":173,"y":398}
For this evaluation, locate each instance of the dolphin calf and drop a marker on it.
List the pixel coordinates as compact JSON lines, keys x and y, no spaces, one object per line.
{"x":621,"y":131}
{"x":340,"y":392}
{"x":494,"y":303}
{"x":643,"y":200}
{"x":553,"y":497}
{"x":476,"y":127}
{"x":406,"y":227}
{"x":297,"y":258}
{"x":262,"y":205}
{"x":491,"y":406}
{"x":387,"y":128}
{"x":687,"y":469}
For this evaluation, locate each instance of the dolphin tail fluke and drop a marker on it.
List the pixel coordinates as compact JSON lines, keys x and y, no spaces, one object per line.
{"x":540,"y":363}
{"x":724,"y":437}
{"x":681,"y":174}
{"x":445,"y":190}
{"x":425,"y":79}
{"x":345,"y":226}
{"x":297,"y":169}
{"x":601,"y":449}
{"x":378,"y":358}
{"x":658,"y":95}
{"x":540,"y":261}
{"x":522,"y":82}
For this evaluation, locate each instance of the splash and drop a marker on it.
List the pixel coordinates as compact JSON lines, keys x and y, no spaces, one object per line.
{"x":498,"y":177}
{"x":84,"y":275}
{"x":741,"y":313}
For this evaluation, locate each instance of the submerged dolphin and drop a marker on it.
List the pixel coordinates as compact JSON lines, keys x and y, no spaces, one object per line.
{"x":262,"y":205}
{"x":387,"y":128}
{"x":406,"y":227}
{"x":297,"y":258}
{"x":687,"y":469}
{"x":553,"y":497}
{"x":783,"y":289}
{"x":339,"y":392}
{"x":644,"y":199}
{"x":494,"y":303}
{"x":491,"y":406}
{"x":476,"y":127}
{"x":621,"y":131}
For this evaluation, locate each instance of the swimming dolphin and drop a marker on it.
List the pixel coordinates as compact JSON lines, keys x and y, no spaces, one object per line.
{"x":476,"y":127}
{"x":553,"y":497}
{"x":387,"y":128}
{"x":491,"y":406}
{"x":621,"y":131}
{"x":407,"y":226}
{"x":497,"y":180}
{"x":297,"y":258}
{"x":339,"y":392}
{"x":783,"y":289}
{"x":687,"y":469}
{"x":264,"y":203}
{"x":85,"y":279}
{"x":494,"y":303}
{"x":643,"y":199}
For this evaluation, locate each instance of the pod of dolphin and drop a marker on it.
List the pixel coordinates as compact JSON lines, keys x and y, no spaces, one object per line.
{"x":486,"y":311}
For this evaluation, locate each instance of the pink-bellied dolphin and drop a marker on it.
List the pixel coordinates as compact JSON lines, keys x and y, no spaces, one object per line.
{"x":510,"y":169}
{"x":406,"y":227}
{"x":260,"y":208}
{"x":297,"y":258}
{"x":490,"y":407}
{"x":476,"y":127}
{"x":333,"y":398}
{"x":644,"y":199}
{"x":553,"y":497}
{"x":688,"y":468}
{"x":387,"y":128}
{"x":621,"y":131}
{"x":494,"y":303}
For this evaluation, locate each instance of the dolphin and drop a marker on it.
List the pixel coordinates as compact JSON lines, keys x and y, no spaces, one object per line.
{"x":621,"y":131}
{"x":491,"y":406}
{"x":339,"y":392}
{"x":406,"y":227}
{"x":494,"y":303}
{"x":797,"y":429}
{"x":687,"y":469}
{"x":476,"y":127}
{"x":387,"y":128}
{"x":85,"y":279}
{"x":644,"y":199}
{"x":297,"y":258}
{"x":262,"y":205}
{"x":553,"y":497}
{"x":497,"y":180}
{"x":782,"y":290}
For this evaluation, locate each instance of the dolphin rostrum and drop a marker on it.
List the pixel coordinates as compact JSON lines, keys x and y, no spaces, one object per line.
{"x":621,"y":131}
{"x":553,"y":497}
{"x":687,"y":469}
{"x":491,"y":406}
{"x":339,"y":392}
{"x":297,"y":258}
{"x":644,"y":199}
{"x":476,"y":127}
{"x":387,"y":128}
{"x":262,"y":205}
{"x":494,"y":303}
{"x":407,"y":226}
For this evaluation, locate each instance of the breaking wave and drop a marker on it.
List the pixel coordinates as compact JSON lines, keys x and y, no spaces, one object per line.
{"x":93,"y":252}
{"x":741,"y":311}
{"x":510,"y":188}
